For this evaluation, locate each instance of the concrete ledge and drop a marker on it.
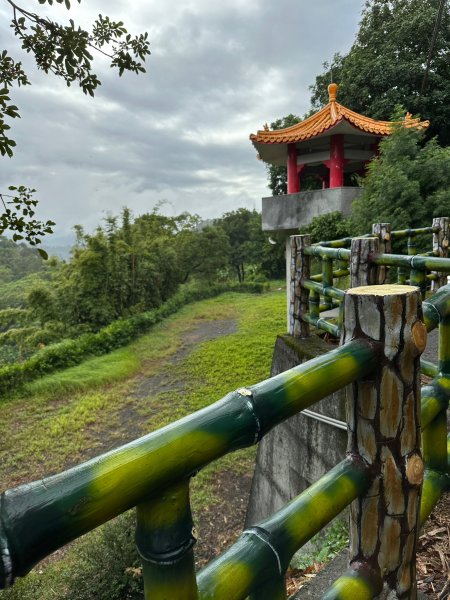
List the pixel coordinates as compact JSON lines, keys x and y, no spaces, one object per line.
{"x":291,"y":211}
{"x":317,"y":587}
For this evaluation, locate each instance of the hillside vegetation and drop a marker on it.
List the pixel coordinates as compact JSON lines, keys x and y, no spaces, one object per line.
{"x":127,"y":267}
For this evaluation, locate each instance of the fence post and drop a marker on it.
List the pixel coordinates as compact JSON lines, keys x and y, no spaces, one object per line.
{"x":440,"y":247}
{"x":383,"y":412}
{"x":164,"y":539}
{"x":362,"y":272}
{"x":383,"y":232}
{"x":300,"y":269}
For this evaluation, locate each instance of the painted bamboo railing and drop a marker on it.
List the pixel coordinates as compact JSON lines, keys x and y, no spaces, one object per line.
{"x":364,"y":260}
{"x":390,"y":482}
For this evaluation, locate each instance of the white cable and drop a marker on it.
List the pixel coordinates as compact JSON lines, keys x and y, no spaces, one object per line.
{"x":325,"y":419}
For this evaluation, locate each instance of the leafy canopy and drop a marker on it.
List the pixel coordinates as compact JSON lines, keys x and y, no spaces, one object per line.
{"x":406,"y":185}
{"x":385,"y":66}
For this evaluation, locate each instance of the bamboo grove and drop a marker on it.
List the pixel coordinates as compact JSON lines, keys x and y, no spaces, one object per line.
{"x":396,"y":468}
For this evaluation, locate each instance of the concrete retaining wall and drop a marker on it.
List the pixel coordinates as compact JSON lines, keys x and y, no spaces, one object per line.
{"x":299,"y":451}
{"x":291,"y":211}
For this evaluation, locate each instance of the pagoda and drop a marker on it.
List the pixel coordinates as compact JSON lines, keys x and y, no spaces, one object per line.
{"x":331,"y":145}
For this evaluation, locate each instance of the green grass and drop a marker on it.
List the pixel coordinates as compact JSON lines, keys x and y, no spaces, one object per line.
{"x":324,"y":545}
{"x":75,"y":414}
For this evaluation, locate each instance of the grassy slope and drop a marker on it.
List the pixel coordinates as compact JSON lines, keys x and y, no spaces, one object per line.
{"x":82,"y":411}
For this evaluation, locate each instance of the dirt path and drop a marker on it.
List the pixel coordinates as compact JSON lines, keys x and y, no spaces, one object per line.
{"x":218,"y":525}
{"x":128,"y":423}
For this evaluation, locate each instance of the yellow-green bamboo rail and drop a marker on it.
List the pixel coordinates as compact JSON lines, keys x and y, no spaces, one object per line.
{"x":368,"y":265}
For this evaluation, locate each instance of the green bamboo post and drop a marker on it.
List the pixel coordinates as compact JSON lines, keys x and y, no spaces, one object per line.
{"x":165,"y":540}
{"x":384,"y":429}
{"x":417,"y":277}
{"x":436,"y":307}
{"x":434,"y":436}
{"x":362,"y":270}
{"x":411,"y":246}
{"x":314,"y":305}
{"x":299,"y":295}
{"x":440,"y":247}
{"x":327,"y":280}
{"x":360,"y":582}
{"x":435,"y":401}
{"x":383,"y":232}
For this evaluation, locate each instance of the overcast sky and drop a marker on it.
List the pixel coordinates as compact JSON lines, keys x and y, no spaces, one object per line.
{"x":179,"y":133}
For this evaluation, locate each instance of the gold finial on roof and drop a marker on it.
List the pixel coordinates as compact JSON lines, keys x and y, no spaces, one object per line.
{"x":332,"y":92}
{"x":266,"y":127}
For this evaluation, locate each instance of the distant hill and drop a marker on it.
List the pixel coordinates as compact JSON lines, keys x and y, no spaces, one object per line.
{"x":17,"y":260}
{"x":13,"y":294}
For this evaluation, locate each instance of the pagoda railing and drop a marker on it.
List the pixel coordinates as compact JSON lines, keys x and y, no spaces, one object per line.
{"x":390,"y":479}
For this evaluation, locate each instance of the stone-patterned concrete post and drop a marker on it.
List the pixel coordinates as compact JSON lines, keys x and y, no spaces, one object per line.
{"x":383,"y":232}
{"x":300,"y":270}
{"x":440,"y":247}
{"x":362,"y":272}
{"x":383,"y":412}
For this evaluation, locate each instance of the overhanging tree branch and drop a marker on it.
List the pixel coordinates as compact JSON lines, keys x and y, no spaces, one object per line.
{"x":63,"y":50}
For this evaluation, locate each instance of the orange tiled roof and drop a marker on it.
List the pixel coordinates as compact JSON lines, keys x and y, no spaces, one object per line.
{"x":330,"y":115}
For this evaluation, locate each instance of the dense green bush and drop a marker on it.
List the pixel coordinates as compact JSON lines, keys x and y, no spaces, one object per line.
{"x":331,"y":226}
{"x":103,"y":565}
{"x":71,"y":352}
{"x":108,"y":565}
{"x":407,"y":184}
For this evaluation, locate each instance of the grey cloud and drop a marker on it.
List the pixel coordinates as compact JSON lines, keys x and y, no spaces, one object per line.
{"x":218,"y":71}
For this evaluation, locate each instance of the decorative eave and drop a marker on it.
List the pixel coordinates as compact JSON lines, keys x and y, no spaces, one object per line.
{"x":328,"y":117}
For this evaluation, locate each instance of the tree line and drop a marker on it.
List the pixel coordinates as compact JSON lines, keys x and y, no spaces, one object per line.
{"x":132,"y":265}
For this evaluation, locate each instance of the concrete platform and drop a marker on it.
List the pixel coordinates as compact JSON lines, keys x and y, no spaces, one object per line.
{"x":291,"y":211}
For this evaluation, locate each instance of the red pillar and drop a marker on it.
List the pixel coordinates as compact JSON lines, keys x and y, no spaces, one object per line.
{"x":337,"y":161}
{"x":293,"y":185}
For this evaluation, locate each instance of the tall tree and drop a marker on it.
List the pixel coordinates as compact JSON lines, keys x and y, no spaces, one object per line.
{"x":406,"y":185}
{"x":249,"y":245}
{"x":386,"y":66}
